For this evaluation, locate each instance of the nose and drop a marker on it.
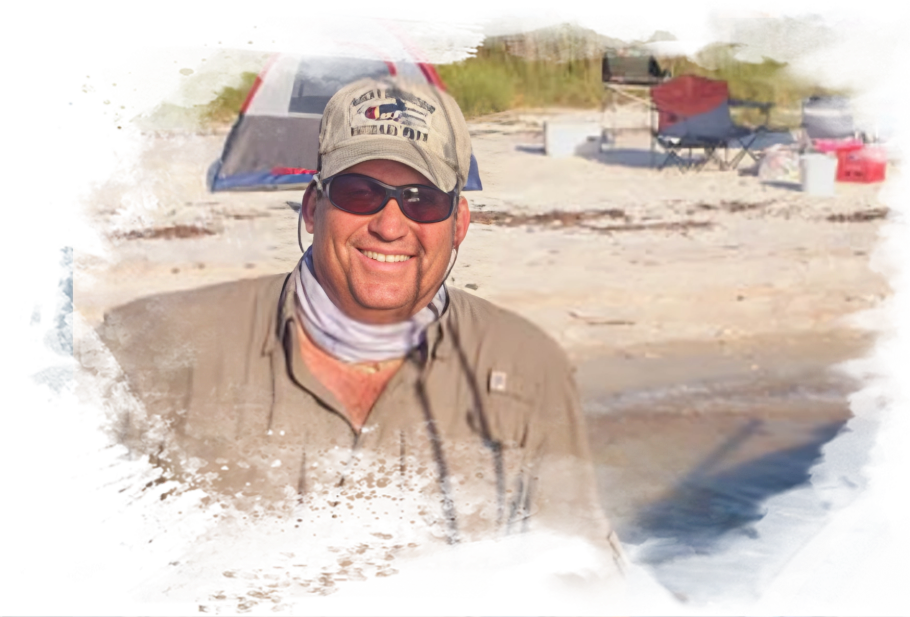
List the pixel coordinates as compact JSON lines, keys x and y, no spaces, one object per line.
{"x":389,"y":224}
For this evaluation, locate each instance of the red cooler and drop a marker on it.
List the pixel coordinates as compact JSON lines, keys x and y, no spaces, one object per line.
{"x":865,"y":165}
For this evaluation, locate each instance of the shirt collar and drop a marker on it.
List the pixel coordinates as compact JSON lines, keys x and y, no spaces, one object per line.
{"x":279,"y":316}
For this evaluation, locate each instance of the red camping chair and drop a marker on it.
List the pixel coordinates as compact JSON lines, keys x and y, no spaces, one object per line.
{"x":693,"y":113}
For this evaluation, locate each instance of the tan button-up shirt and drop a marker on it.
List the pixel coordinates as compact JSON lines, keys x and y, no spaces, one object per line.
{"x":479,"y":433}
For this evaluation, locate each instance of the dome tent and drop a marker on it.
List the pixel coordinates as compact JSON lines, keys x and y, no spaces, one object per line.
{"x":273,"y":144}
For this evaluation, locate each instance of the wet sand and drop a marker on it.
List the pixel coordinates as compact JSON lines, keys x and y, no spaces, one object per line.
{"x":713,"y":472}
{"x":690,"y":439}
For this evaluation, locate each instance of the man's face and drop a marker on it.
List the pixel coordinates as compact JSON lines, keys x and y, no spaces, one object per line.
{"x":364,"y":288}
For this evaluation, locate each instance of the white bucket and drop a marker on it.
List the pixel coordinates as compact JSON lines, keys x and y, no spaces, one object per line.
{"x":562,"y":139}
{"x":817,"y":173}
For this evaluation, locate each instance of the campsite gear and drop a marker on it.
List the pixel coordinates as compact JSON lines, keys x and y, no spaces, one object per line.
{"x":861,"y":165}
{"x":562,"y":139}
{"x":837,"y":145}
{"x":832,"y":564}
{"x":780,"y":163}
{"x":396,"y":119}
{"x":693,"y":113}
{"x":633,"y":67}
{"x":828,"y":117}
{"x":627,"y":71}
{"x":817,"y":173}
{"x":359,"y":194}
{"x":274,"y":141}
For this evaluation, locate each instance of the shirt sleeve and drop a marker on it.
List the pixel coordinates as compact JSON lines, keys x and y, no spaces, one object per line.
{"x":563,"y":507}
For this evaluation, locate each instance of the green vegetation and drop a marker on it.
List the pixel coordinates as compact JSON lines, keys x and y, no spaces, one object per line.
{"x":503,"y":64}
{"x":545,"y":62}
{"x":188,"y":88}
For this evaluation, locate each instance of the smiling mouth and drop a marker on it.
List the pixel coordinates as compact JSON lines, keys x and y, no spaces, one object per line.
{"x":385,"y":258}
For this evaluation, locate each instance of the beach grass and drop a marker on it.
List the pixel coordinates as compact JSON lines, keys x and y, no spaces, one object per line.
{"x":559,"y":61}
{"x":501,"y":64}
{"x":189,"y":88}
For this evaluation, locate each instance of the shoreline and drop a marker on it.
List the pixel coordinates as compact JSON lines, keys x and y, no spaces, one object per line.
{"x":770,"y":357}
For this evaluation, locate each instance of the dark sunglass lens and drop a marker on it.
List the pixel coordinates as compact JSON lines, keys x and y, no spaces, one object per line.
{"x":424,"y":204}
{"x":356,"y":194}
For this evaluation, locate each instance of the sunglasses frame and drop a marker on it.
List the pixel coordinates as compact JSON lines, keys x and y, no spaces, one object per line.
{"x":390,"y":191}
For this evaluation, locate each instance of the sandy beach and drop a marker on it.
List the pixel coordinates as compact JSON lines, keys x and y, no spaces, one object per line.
{"x":635,"y":257}
{"x":649,"y":279}
{"x":703,"y":310}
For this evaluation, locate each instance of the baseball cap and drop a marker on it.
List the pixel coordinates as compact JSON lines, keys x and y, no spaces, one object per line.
{"x":400,"y":120}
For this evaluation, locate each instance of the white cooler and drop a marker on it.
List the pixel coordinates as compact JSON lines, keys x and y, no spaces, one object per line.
{"x":817,"y":173}
{"x":562,"y":139}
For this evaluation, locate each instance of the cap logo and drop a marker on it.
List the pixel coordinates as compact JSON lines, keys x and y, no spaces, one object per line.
{"x":391,"y":112}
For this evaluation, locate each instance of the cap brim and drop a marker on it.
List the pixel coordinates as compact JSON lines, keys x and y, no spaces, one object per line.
{"x":379,"y":147}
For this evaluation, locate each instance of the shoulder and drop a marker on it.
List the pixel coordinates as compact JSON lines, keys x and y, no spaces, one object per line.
{"x":182,"y":317}
{"x":482,"y":325}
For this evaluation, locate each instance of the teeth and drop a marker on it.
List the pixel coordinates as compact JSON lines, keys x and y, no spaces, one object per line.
{"x":386,"y":258}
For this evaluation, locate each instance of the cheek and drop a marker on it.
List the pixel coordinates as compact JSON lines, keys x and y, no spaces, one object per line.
{"x":438,"y":243}
{"x":334,"y":227}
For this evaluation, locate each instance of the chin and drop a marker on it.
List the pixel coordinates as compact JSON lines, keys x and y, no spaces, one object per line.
{"x":386,"y":302}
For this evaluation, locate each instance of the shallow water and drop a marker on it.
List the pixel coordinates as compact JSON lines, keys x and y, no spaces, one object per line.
{"x":686,"y":472}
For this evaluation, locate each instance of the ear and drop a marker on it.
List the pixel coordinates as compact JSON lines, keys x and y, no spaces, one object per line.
{"x":308,"y":207}
{"x":462,"y":221}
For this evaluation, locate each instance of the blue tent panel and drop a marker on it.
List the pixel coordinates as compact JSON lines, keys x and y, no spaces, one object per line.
{"x":255,"y":181}
{"x":473,"y":183}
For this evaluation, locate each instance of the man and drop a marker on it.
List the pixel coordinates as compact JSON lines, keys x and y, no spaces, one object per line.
{"x":359,"y":382}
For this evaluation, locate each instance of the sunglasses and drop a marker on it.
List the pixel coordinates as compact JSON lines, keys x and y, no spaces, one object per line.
{"x":358,"y":194}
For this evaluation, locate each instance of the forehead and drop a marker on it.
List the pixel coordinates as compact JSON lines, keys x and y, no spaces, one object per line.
{"x":390,"y":172}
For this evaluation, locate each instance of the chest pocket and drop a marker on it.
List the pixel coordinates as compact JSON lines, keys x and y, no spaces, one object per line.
{"x":501,"y":412}
{"x":489,"y":458}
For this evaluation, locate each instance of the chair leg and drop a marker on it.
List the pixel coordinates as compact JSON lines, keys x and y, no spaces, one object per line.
{"x":710,"y":155}
{"x":723,"y":160}
{"x":689,"y":163}
{"x":672,"y":155}
{"x":746,"y":147}
{"x":715,"y":156}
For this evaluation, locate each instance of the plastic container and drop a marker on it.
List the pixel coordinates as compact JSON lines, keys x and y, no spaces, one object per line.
{"x":817,"y":173}
{"x":564,"y":139}
{"x":837,"y":145}
{"x":779,"y":163}
{"x":866,"y":165}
